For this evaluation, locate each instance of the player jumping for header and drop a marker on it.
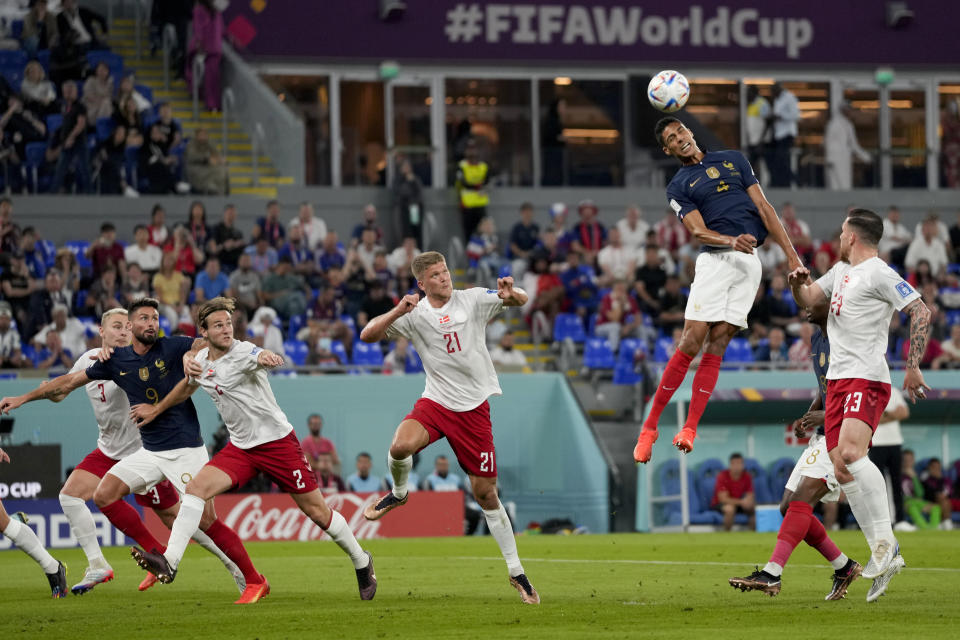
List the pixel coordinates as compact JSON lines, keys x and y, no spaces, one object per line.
{"x":234,"y":375}
{"x":721,"y":203}
{"x":863,"y":292}
{"x":447,"y":328}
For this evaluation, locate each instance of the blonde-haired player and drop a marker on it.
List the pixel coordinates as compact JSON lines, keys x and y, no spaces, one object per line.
{"x":118,"y":437}
{"x":447,"y":327}
{"x":234,"y":375}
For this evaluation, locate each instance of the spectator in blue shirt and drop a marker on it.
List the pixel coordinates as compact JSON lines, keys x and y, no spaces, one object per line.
{"x":31,"y":255}
{"x":301,"y":257}
{"x":441,"y":479}
{"x":270,"y":227}
{"x":211,"y":282}
{"x":263,"y":257}
{"x":363,"y":481}
{"x":332,"y":256}
{"x":580,"y":283}
{"x":775,"y":349}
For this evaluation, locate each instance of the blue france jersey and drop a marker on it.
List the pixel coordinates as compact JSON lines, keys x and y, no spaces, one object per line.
{"x":147,"y":379}
{"x":820,"y":355}
{"x":717,"y":188}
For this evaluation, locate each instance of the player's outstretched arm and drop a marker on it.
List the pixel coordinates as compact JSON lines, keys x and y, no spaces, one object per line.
{"x":144,"y":414}
{"x":269,"y":359}
{"x":774,"y":226}
{"x":55,"y":390}
{"x":694,"y":223}
{"x":806,"y":292}
{"x":913,"y":382}
{"x":512,"y":297}
{"x":376,"y":329}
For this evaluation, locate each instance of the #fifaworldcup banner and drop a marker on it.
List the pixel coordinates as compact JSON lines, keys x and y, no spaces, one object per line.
{"x":261,"y":517}
{"x":46,"y":518}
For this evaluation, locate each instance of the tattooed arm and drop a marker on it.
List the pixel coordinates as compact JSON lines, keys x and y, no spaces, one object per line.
{"x":55,"y":390}
{"x":913,"y":382}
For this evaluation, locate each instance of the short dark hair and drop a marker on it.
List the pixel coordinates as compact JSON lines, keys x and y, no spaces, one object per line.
{"x":867,"y":224}
{"x":219,"y":303}
{"x":662,"y":124}
{"x":153,"y":303}
{"x":735,"y":455}
{"x":140,"y":226}
{"x":157,"y":207}
{"x":364,"y":454}
{"x":270,"y":203}
{"x":107,"y":226}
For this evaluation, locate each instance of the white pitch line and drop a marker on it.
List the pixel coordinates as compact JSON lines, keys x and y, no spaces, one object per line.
{"x":680,"y":563}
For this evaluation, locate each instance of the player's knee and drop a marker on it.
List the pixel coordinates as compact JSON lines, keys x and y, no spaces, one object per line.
{"x":849,"y":452}
{"x":102,"y":498}
{"x":402,"y":448}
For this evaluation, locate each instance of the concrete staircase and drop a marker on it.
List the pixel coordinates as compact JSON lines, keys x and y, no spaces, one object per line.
{"x":239,"y":148}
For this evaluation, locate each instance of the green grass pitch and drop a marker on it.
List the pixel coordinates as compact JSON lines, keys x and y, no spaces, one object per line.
{"x":617,"y":586}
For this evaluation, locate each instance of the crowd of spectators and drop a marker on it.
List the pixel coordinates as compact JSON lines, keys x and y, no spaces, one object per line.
{"x":73,"y":118}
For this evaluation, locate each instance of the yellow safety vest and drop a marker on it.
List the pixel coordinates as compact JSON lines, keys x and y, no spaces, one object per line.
{"x":474,"y":175}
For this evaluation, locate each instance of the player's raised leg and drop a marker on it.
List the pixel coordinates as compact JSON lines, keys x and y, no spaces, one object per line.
{"x":410,"y":437}
{"x":79,"y":488}
{"x":485,"y":492}
{"x":24,"y":537}
{"x":109,"y":499}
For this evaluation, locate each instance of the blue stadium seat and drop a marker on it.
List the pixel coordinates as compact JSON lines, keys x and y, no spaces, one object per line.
{"x":365,"y":353}
{"x":669,"y":480}
{"x":710,"y":467}
{"x":761,"y":486}
{"x":29,"y":352}
{"x":663,"y":349}
{"x":80,"y":298}
{"x":79,"y":250}
{"x":104,"y":128}
{"x":778,"y":475}
{"x":49,"y":250}
{"x":113,"y":60}
{"x":43,"y":57}
{"x":347,"y":319}
{"x":568,"y":325}
{"x":597,"y":354}
{"x":953,"y":317}
{"x":13,"y":59}
{"x":414,"y":363}
{"x":592,"y":324}
{"x":629,"y":347}
{"x":625,"y":373}
{"x":54,"y":122}
{"x":145,"y":91}
{"x":36,"y":153}
{"x":296,"y":351}
{"x":338,"y":349}
{"x":14,"y":78}
{"x":505,"y":270}
{"x":296,"y":323}
{"x":130,"y":164}
{"x":738,"y":351}
{"x":164,"y":325}
{"x":16,"y":29}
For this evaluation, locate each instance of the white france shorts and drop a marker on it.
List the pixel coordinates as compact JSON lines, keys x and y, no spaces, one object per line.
{"x":815,"y":463}
{"x":724,"y":287}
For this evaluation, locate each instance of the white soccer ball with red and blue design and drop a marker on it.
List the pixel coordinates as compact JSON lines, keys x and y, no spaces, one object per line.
{"x":668,"y":91}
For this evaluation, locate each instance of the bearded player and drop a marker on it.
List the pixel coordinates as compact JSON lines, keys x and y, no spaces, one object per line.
{"x":720,"y":202}
{"x":813,"y":480}
{"x":447,"y":328}
{"x":234,"y":375}
{"x":863,"y":293}
{"x":146,"y":371}
{"x":118,"y":437}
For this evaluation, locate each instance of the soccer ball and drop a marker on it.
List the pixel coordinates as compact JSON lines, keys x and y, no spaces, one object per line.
{"x":668,"y":91}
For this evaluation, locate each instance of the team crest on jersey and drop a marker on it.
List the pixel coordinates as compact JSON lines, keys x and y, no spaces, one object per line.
{"x":210,"y":373}
{"x":144,"y":373}
{"x":713,"y":172}
{"x":728,"y":165}
{"x":158,"y":364}
{"x":444,"y":319}
{"x":823,"y":358}
{"x":904,"y":289}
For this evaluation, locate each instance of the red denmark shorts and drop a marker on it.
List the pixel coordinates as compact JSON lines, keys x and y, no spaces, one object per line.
{"x":469,"y":433}
{"x":160,"y":496}
{"x":281,"y":460}
{"x":853,"y":398}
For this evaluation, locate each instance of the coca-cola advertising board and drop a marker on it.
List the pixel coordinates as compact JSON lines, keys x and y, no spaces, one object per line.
{"x":262,"y":517}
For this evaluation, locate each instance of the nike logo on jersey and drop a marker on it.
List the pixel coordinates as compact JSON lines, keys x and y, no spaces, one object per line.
{"x":123,"y":373}
{"x":693,"y":184}
{"x":704,"y":391}
{"x":667,"y":388}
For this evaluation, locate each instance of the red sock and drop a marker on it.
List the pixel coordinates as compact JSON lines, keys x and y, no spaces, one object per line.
{"x":818,"y":539}
{"x":231,"y":545}
{"x":672,"y":378}
{"x":703,"y":383}
{"x":124,"y":517}
{"x":792,"y":531}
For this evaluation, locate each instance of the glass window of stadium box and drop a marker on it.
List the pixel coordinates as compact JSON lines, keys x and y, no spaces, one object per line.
{"x":411,"y":129}
{"x":865,"y":116}
{"x":949,"y":135}
{"x":496,"y":114}
{"x":309,"y":98}
{"x":814,"y":102}
{"x":715,"y":103}
{"x":908,"y":149}
{"x":581,"y":132}
{"x":364,"y":155}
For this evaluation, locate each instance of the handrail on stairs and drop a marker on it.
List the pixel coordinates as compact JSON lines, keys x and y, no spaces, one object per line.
{"x":198,"y":68}
{"x":227,"y":101}
{"x":169,"y":39}
{"x":259,"y":138}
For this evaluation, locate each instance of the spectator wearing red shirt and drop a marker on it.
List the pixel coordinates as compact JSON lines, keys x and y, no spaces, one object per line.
{"x":106,"y":250}
{"x":671,"y":234}
{"x":614,"y":319}
{"x":326,"y":478}
{"x":733,"y":493}
{"x":589,"y":236}
{"x":182,"y":246}
{"x":314,"y":445}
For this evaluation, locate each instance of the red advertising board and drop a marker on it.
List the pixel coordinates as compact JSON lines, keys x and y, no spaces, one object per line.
{"x":261,"y":517}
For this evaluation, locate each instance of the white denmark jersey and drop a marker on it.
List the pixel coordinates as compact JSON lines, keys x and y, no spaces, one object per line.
{"x":862,"y":300}
{"x":240,"y":388}
{"x":119,"y":435}
{"x":451,"y":342}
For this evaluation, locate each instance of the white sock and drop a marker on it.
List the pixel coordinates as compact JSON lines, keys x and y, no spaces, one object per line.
{"x":84,"y":529}
{"x":400,"y":470}
{"x":773,"y":569}
{"x":874,"y":490}
{"x":502,"y":531}
{"x":204,"y":541}
{"x":186,"y":524}
{"x":24,"y":537}
{"x":339,"y":531}
{"x":860,"y":512}
{"x":840,"y":561}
